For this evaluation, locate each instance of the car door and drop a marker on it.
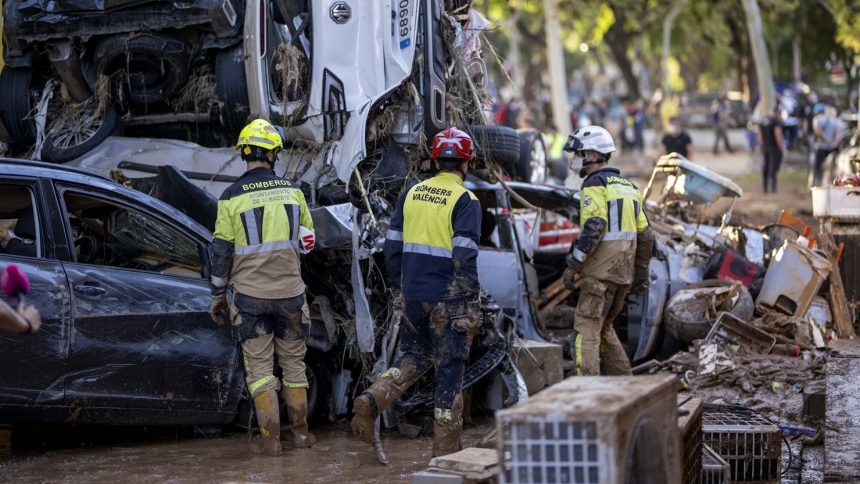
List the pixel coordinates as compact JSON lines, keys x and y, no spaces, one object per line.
{"x":142,"y":336}
{"x":500,"y":267}
{"x":32,"y":367}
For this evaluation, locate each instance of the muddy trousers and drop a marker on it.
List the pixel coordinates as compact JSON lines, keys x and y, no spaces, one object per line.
{"x":265,"y":328}
{"x":596,"y":343}
{"x":432,"y":334}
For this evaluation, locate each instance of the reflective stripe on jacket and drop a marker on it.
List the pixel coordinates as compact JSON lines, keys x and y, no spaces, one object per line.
{"x":256,"y":240}
{"x":611,"y":202}
{"x":431,"y":249}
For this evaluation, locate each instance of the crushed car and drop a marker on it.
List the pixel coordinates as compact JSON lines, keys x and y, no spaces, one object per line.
{"x":121,"y":281}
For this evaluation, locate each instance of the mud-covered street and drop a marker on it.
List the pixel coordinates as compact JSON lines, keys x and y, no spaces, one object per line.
{"x":104,"y":454}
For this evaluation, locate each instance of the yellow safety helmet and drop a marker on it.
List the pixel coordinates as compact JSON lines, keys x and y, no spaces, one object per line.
{"x":259,"y":133}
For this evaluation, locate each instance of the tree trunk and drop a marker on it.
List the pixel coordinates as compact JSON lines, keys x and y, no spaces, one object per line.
{"x":745,"y":66}
{"x":619,"y":43}
{"x":760,"y":55}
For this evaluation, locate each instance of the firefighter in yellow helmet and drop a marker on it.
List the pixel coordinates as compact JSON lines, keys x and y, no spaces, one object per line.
{"x":263,"y":224}
{"x":611,"y":254}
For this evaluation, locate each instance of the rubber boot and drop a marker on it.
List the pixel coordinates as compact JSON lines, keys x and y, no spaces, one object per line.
{"x":387,"y":388}
{"x":296,"y":400}
{"x":269,"y":421}
{"x":447,"y":426}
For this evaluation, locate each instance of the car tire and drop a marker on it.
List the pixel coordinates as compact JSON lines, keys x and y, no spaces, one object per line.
{"x":156,"y":65}
{"x":232,"y":89}
{"x":559,"y":169}
{"x":16,"y":106}
{"x":64,"y":144}
{"x":532,"y":166}
{"x":498,"y":144}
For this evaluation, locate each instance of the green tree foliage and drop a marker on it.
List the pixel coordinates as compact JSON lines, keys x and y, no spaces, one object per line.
{"x":710,"y":43}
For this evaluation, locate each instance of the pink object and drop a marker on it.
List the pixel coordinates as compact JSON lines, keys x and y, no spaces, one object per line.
{"x":14,"y":281}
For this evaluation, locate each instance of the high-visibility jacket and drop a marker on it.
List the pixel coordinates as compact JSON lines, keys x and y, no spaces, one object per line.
{"x":611,"y":218}
{"x":256,"y":240}
{"x":431,"y":249}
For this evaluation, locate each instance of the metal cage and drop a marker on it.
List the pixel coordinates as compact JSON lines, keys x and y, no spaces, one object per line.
{"x":750,"y":443}
{"x":715,"y":469}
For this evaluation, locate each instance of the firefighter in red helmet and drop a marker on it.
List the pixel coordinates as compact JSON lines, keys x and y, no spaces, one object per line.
{"x":431,"y":253}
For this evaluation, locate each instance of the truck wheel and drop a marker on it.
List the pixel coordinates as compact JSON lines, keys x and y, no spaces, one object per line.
{"x":232,"y":88}
{"x":74,"y":132}
{"x":16,"y":106}
{"x":532,"y":166}
{"x":498,"y":144}
{"x":154,"y":67}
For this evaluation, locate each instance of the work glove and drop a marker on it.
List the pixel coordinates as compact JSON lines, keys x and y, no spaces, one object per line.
{"x":473,"y":310}
{"x":570,"y":277}
{"x":307,"y":239}
{"x":639,"y":286}
{"x":218,"y":309}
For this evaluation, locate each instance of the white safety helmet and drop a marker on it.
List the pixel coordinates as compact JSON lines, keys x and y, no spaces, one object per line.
{"x":588,"y":138}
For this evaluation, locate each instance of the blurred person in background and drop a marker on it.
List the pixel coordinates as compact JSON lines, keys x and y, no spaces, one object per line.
{"x":677,"y":140}
{"x":772,"y":147}
{"x":827,"y":131}
{"x":721,"y":119}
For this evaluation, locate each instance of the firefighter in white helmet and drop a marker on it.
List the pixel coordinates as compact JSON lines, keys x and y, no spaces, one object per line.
{"x":610,"y":256}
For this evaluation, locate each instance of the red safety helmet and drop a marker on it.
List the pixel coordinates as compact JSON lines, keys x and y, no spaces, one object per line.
{"x":452,"y":143}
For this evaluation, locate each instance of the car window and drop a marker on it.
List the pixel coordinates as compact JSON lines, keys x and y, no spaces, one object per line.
{"x":19,"y":223}
{"x":108,"y":234}
{"x":495,"y":222}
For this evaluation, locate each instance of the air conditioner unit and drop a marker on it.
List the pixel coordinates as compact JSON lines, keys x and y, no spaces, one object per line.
{"x":593,"y":430}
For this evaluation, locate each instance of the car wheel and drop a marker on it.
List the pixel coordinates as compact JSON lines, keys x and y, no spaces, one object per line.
{"x":16,"y":106}
{"x":532,"y":166}
{"x":498,"y":144}
{"x":232,"y":88}
{"x":151,"y":67}
{"x":75,"y":130}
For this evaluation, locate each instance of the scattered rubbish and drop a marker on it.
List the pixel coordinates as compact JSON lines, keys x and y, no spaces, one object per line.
{"x":471,"y":465}
{"x":572,"y":432}
{"x":792,"y":431}
{"x":836,"y":203}
{"x":691,"y":311}
{"x":691,"y":181}
{"x":836,"y":292}
{"x":820,"y":313}
{"x":793,"y":279}
{"x":541,"y":364}
{"x":730,"y":330}
{"x":728,"y":265}
{"x":378,"y":450}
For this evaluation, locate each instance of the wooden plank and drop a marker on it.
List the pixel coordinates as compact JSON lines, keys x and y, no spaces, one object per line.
{"x":836,"y":294}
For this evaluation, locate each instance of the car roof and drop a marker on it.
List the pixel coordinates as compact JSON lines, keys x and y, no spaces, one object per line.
{"x":38,"y":169}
